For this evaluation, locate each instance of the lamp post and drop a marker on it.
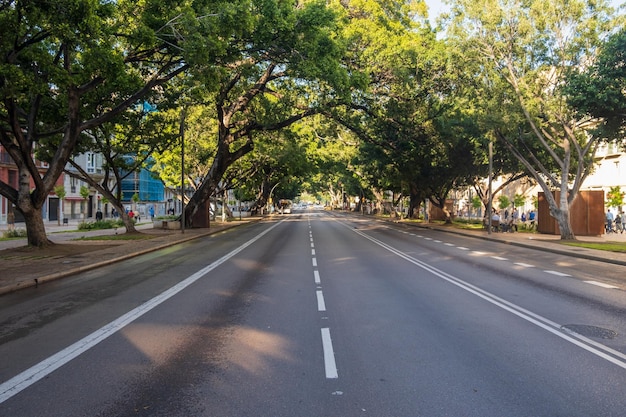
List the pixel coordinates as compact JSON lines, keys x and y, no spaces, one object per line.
{"x":182,"y":169}
{"x":490,"y":203}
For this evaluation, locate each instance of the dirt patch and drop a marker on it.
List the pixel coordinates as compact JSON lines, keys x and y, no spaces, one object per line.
{"x":58,"y":250}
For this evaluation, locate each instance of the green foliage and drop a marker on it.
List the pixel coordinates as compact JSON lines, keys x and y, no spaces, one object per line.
{"x":615,"y":197}
{"x":476,"y":202}
{"x":59,"y":190}
{"x":84,"y":191}
{"x":599,"y":90}
{"x":504,"y":202}
{"x":519,"y":200}
{"x":14,"y":234}
{"x":101,"y":224}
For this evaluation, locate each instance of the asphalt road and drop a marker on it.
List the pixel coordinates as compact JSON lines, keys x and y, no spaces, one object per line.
{"x":321,"y":316}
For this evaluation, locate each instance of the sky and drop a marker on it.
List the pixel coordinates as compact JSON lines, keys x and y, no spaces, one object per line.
{"x":435,"y":7}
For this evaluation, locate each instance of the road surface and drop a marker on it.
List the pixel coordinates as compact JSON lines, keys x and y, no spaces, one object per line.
{"x":316,"y":315}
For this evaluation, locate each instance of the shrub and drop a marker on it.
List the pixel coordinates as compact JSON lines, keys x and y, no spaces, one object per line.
{"x":15,"y":233}
{"x":100,"y":224}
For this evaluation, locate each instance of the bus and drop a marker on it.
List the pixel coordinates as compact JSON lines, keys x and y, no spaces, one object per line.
{"x":284,"y":206}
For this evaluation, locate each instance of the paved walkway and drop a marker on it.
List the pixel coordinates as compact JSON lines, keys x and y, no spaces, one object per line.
{"x":29,"y":268}
{"x":551,"y":243}
{"x":14,"y":275}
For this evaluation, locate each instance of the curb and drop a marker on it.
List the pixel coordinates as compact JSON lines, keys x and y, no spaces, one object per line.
{"x":58,"y":275}
{"x":548,"y":248}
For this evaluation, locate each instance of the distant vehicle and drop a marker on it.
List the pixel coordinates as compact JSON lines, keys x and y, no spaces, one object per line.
{"x":284,"y":206}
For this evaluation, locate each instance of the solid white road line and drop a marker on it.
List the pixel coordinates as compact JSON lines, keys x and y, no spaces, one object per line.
{"x":37,"y":372}
{"x":614,"y":356}
{"x":329,"y":355}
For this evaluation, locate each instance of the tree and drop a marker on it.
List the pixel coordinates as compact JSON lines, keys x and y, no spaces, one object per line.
{"x":283,"y":66}
{"x":615,"y":197}
{"x":68,"y":66}
{"x":84,"y":193}
{"x":599,"y":90}
{"x":527,"y":49}
{"x":127,"y":146}
{"x":59,"y":190}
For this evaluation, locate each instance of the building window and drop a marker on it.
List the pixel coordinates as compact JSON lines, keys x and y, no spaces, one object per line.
{"x":91,"y":162}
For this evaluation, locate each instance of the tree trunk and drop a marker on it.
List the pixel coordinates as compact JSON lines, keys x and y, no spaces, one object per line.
{"x":129,"y":223}
{"x":35,"y":229}
{"x":562,"y":217}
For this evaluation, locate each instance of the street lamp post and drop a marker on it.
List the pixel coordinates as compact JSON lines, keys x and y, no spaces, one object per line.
{"x":490,"y":203}
{"x":182,"y":169}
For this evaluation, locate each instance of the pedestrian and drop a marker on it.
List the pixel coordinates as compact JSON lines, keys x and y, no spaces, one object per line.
{"x":151,"y":211}
{"x":515,"y":217}
{"x":609,"y":221}
{"x":619,"y":225}
{"x":532,"y":218}
{"x":98,"y":215}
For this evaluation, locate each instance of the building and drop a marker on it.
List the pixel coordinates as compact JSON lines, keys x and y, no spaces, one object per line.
{"x":9,"y":175}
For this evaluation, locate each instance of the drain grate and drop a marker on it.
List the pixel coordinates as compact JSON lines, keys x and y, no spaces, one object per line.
{"x":590,"y":331}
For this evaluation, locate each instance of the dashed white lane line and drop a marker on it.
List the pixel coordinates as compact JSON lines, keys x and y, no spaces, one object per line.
{"x":314,"y":260}
{"x":321,"y":305}
{"x":601,"y":284}
{"x":557,"y":273}
{"x":313,"y":252}
{"x":316,"y":275}
{"x":329,"y":355}
{"x":522,"y":264}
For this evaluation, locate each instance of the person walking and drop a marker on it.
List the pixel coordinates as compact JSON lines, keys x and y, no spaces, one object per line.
{"x":619,"y":223}
{"x":609,"y":221}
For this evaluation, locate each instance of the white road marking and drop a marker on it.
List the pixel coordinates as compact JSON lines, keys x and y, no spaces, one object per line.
{"x":321,"y":305}
{"x":316,"y":275}
{"x":312,"y":245}
{"x":605,"y":352}
{"x":314,"y":261}
{"x":329,"y":355}
{"x":449,"y":244}
{"x":478,"y":253}
{"x":500,"y":258}
{"x":44,"y":368}
{"x":462,"y":248}
{"x":524,"y":265}
{"x":557,"y":273}
{"x":602,"y":284}
{"x":313,"y":252}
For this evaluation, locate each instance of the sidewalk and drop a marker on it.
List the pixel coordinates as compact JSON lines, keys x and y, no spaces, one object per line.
{"x":24,"y":267}
{"x":544,"y":242}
